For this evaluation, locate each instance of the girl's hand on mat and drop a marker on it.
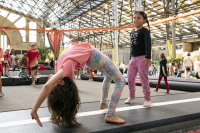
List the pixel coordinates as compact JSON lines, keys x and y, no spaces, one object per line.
{"x":147,"y":62}
{"x":35,"y":116}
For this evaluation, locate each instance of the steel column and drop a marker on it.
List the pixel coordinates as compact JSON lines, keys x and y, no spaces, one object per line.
{"x":173,"y":31}
{"x":137,"y":5}
{"x":115,"y":24}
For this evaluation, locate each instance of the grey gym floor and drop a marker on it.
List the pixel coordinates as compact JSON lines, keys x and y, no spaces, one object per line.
{"x":162,"y":117}
{"x":24,"y":97}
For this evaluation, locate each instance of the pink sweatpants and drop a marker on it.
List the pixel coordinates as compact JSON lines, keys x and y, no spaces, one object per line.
{"x":136,"y":65}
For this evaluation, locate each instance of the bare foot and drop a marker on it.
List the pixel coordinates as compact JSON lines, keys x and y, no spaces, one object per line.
{"x":114,"y":119}
{"x":103,"y":106}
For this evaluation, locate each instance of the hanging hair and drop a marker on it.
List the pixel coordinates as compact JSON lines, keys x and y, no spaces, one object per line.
{"x":63,"y":103}
{"x":144,"y":15}
{"x":163,"y":57}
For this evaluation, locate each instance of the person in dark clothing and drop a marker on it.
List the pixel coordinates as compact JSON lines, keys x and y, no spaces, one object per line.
{"x":52,"y":63}
{"x":163,"y":72}
{"x":12,"y":51}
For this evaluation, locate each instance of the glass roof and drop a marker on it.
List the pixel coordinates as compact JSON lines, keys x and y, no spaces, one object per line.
{"x":81,"y":14}
{"x":63,"y":10}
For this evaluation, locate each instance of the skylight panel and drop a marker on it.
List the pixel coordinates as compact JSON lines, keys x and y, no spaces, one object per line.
{"x":195,"y":18}
{"x":159,"y":2}
{"x":186,"y":30}
{"x":149,"y":6}
{"x":196,"y":28}
{"x":159,"y":35}
{"x":154,"y":9}
{"x":149,"y":1}
{"x":124,"y":2}
{"x":153,"y":13}
{"x":3,"y":13}
{"x":12,"y":17}
{"x":127,"y":7}
{"x":188,"y":1}
{"x":21,"y":23}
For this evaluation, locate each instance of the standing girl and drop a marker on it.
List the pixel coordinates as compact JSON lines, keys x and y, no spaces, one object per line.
{"x":13,"y":57}
{"x":63,"y":98}
{"x":7,"y":61}
{"x":163,"y":72}
{"x":188,"y":62}
{"x":140,"y":57}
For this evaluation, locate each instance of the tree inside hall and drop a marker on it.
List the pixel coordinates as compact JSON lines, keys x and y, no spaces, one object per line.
{"x":43,"y":52}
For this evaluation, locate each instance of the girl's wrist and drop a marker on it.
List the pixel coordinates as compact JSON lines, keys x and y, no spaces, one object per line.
{"x":34,"y":110}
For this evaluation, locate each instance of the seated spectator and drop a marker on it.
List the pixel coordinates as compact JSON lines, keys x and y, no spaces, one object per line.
{"x":16,"y":64}
{"x":152,"y":69}
{"x":193,"y":74}
{"x":156,"y":69}
{"x":180,"y":70}
{"x":117,"y":64}
{"x":21,"y":63}
{"x":23,"y":73}
{"x":85,"y":71}
{"x":95,"y":72}
{"x":172,"y":66}
{"x":122,"y":65}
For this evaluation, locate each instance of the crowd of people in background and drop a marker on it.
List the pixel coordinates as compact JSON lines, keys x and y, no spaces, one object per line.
{"x":188,"y":67}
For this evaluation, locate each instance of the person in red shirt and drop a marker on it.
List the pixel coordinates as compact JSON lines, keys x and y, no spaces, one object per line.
{"x":7,"y":61}
{"x":1,"y":70}
{"x":32,"y":61}
{"x":25,"y":64}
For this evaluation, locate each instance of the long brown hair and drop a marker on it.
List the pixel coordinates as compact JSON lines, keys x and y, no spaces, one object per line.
{"x":144,"y":15}
{"x":63,"y":103}
{"x":163,"y":57}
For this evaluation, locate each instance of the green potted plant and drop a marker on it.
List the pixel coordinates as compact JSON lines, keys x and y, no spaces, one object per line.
{"x":43,"y":52}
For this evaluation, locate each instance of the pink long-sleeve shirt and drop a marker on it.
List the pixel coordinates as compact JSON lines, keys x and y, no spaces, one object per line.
{"x":74,"y":56}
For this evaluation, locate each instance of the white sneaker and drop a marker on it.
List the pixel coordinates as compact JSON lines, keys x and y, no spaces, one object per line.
{"x":91,"y":79}
{"x":147,"y":104}
{"x":1,"y":94}
{"x":33,"y":84}
{"x":129,"y":100}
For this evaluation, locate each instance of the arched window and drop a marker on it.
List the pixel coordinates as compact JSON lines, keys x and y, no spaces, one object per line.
{"x":21,"y":24}
{"x":32,"y":34}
